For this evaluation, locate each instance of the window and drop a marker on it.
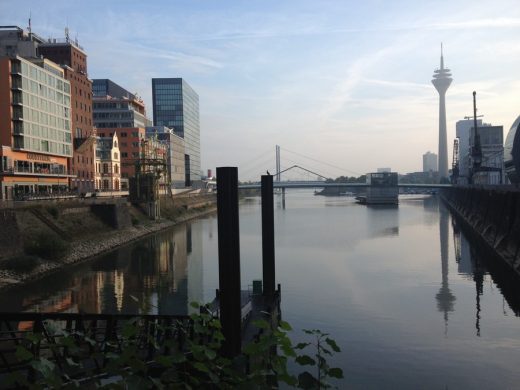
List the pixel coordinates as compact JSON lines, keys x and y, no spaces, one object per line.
{"x":123,"y":134}
{"x":135,"y":134}
{"x":116,"y":168}
{"x":124,"y":155}
{"x":116,"y":157}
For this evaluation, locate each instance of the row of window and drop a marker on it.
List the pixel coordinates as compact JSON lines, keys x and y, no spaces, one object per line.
{"x":45,"y":91}
{"x":38,"y":74}
{"x":39,"y":145}
{"x":43,"y":104}
{"x":40,"y":131}
{"x":112,"y":115}
{"x":107,"y":105}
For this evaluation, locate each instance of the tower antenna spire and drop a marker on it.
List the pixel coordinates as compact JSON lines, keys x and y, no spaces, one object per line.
{"x":442,"y":58}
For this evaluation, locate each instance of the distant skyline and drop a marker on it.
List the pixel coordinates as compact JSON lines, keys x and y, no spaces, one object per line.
{"x":343,"y":82}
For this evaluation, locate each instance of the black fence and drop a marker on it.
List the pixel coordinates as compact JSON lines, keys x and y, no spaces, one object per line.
{"x":79,"y":345}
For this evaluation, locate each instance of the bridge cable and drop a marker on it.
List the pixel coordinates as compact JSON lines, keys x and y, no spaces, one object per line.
{"x":322,"y":162}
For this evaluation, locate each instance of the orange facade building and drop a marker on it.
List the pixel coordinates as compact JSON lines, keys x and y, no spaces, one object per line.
{"x":35,"y":128}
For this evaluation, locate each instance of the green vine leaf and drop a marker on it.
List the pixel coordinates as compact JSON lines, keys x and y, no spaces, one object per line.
{"x":332,"y":344}
{"x":305,"y":360}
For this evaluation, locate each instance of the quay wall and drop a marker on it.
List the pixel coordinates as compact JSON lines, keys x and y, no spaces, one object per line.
{"x":87,"y":228}
{"x":492,"y":215}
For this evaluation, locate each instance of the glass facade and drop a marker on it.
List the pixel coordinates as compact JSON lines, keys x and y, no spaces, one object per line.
{"x":41,"y":110}
{"x":176,"y":105}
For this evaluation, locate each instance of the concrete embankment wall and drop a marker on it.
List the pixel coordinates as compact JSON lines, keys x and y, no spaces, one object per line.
{"x":493,"y":215}
{"x":10,"y":242}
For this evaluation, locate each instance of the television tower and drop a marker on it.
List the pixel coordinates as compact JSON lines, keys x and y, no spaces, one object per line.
{"x":441,"y":81}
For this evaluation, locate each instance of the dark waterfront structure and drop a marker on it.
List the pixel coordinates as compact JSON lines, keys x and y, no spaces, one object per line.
{"x":176,"y":105}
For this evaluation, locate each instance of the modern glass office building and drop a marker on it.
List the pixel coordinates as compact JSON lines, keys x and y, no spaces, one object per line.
{"x":176,"y":105}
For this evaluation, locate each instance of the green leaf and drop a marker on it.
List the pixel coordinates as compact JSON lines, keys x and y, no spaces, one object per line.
{"x":195,"y":305}
{"x":332,"y":344}
{"x":43,"y":366}
{"x":34,"y":338}
{"x":302,"y":345}
{"x":71,"y":362}
{"x":335,"y":373}
{"x":289,"y":379}
{"x":23,"y":354}
{"x":285,"y":325}
{"x":201,"y":367}
{"x":305,"y":360}
{"x":157,"y":383}
{"x":262,"y":324}
{"x":307,"y":381}
{"x":178,"y":357}
{"x":287,"y":350}
{"x":166,"y":361}
{"x":129,"y":330}
{"x":210,"y":354}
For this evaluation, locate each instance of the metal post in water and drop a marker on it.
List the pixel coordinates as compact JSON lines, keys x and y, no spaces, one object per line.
{"x":229,"y":259}
{"x":268,"y":265}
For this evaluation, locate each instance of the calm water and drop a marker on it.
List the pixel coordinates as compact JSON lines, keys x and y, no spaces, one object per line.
{"x":408,"y":299}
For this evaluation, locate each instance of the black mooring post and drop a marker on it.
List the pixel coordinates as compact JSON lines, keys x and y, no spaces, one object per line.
{"x":268,"y":235}
{"x":229,"y":259}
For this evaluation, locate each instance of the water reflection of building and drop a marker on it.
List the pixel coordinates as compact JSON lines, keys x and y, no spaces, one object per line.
{"x":474,"y":267}
{"x":160,"y":275}
{"x":382,"y":221}
{"x":445,"y":298}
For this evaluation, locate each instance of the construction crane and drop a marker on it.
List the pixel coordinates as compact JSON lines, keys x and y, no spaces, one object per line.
{"x":476,"y":149}
{"x":455,"y":163}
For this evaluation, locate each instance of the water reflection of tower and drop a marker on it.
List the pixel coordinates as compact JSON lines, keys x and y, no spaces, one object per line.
{"x":445,"y":299}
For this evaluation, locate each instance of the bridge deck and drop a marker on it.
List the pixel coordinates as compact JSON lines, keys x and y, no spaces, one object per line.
{"x":321,"y":184}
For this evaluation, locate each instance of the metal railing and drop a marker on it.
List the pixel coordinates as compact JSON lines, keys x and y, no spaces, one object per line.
{"x":88,"y":339}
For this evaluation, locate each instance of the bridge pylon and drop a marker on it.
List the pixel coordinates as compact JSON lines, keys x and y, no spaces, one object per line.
{"x":278,"y":175}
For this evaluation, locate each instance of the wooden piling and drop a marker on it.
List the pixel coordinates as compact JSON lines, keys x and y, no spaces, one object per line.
{"x":268,"y":258}
{"x":229,"y":259}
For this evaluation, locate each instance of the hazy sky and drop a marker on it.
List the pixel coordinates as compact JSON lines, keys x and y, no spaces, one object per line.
{"x":345,"y":82}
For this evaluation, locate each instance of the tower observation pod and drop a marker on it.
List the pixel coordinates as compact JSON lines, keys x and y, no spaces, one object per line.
{"x":441,"y":81}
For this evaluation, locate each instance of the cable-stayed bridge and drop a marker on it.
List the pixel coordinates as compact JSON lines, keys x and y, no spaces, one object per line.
{"x":284,"y":177}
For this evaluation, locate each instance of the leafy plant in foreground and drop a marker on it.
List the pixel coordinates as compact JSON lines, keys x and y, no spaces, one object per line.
{"x":188,"y":358}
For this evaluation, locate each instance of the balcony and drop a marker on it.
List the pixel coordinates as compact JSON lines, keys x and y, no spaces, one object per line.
{"x":16,"y":83}
{"x":25,"y":168}
{"x":18,"y":128}
{"x":16,"y":68}
{"x":17,"y":113}
{"x":17,"y":98}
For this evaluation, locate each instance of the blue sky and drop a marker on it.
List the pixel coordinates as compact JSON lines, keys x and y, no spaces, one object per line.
{"x":345,"y":82}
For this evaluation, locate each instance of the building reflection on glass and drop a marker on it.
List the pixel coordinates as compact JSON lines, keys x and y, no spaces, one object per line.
{"x":445,"y":298}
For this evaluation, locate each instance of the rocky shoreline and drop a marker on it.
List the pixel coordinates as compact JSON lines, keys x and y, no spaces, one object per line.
{"x":85,"y":250}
